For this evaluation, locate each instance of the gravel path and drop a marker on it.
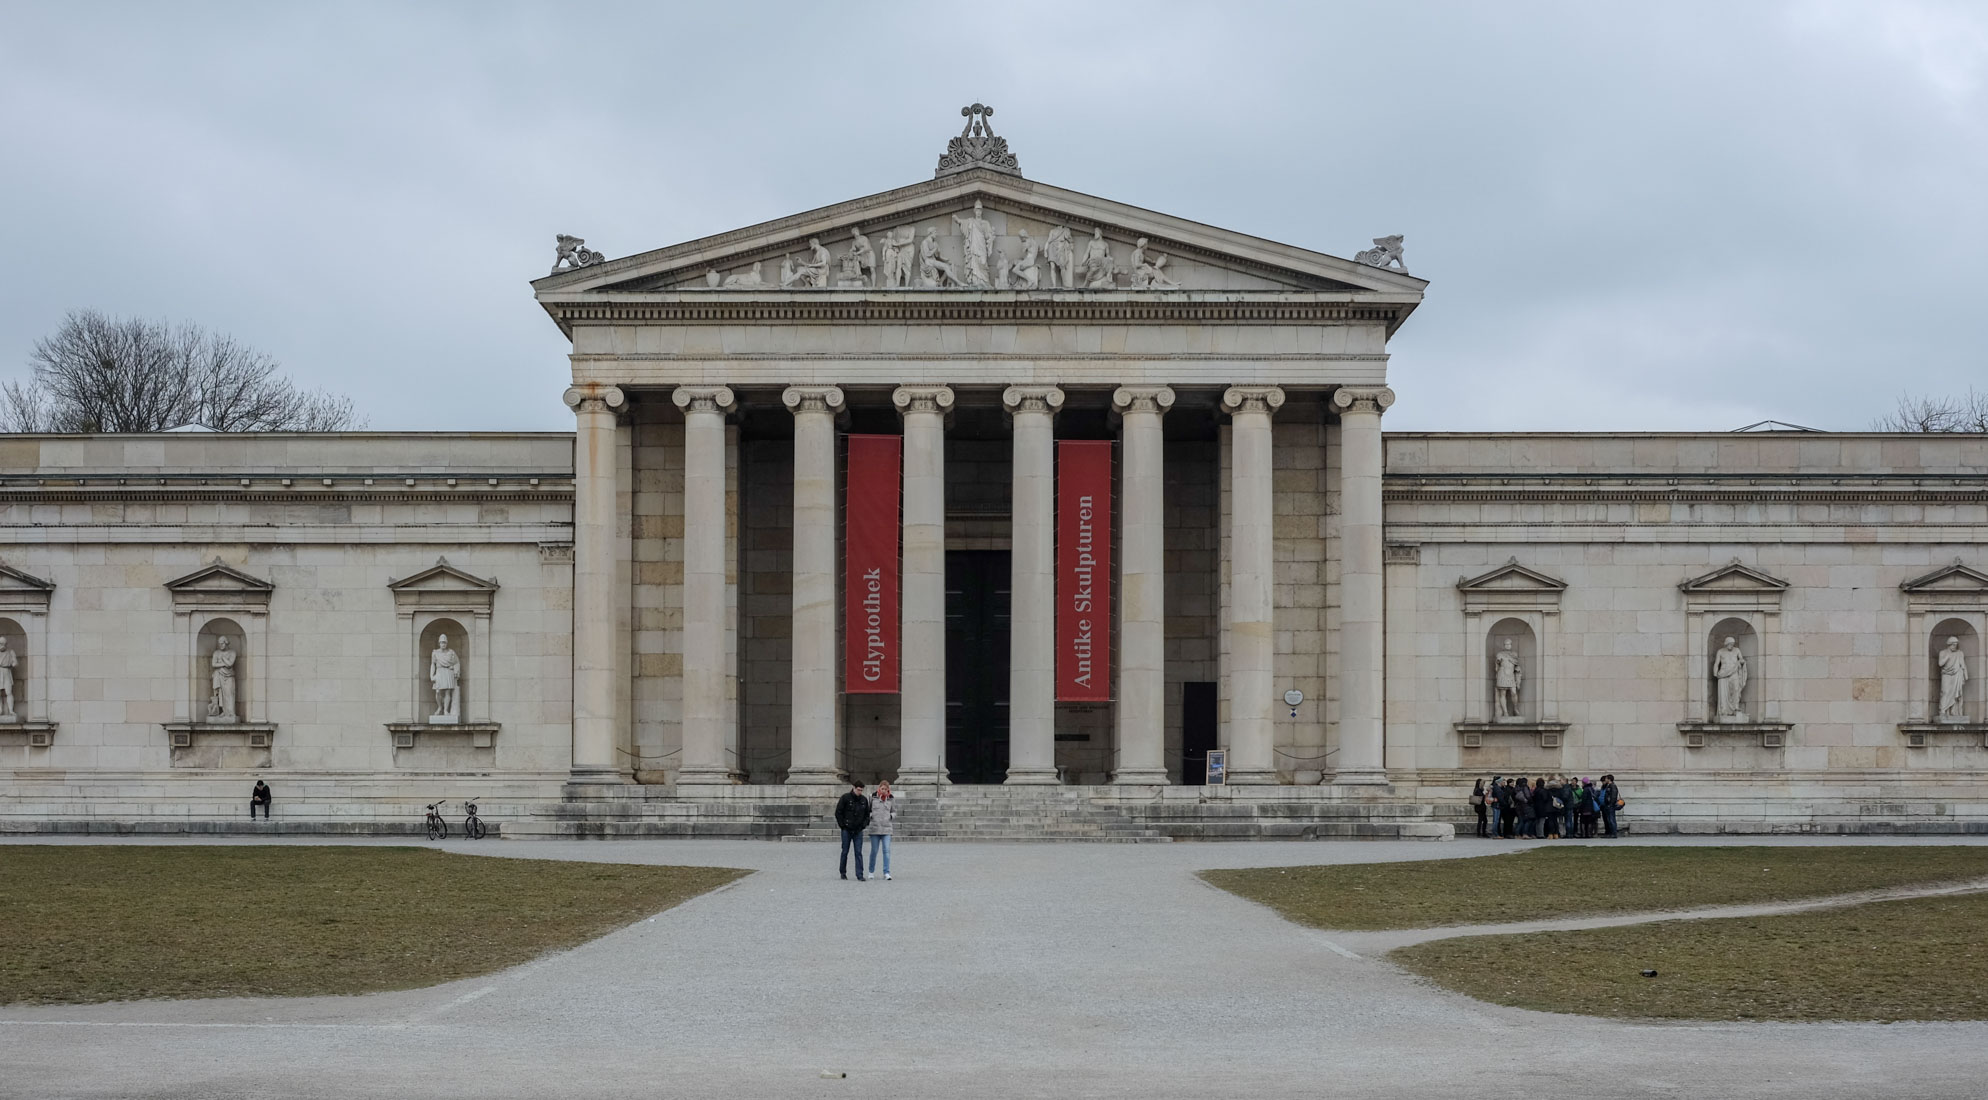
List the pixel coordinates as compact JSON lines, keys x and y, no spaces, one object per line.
{"x":983,"y":970}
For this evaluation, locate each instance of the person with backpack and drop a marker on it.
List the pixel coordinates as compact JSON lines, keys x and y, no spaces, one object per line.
{"x":1508,"y":808}
{"x":1551,"y":808}
{"x":852,"y":815}
{"x":1522,"y":802}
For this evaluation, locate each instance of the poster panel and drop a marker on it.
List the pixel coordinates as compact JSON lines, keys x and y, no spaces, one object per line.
{"x":871,"y":527}
{"x":1083,"y":570}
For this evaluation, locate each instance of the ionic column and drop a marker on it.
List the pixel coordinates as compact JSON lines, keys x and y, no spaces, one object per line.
{"x":1142,"y":574}
{"x":710,"y":721}
{"x":1032,"y":600}
{"x":595,"y":725}
{"x":922,"y":641}
{"x":1252,"y":638}
{"x":813,"y":683}
{"x":1361,"y":756}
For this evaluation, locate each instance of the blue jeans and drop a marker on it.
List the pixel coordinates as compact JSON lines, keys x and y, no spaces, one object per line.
{"x":1608,"y":817}
{"x":1497,"y":819}
{"x":879,"y":840}
{"x":851,"y":838}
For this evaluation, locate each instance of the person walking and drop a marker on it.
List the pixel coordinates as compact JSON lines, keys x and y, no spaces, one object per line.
{"x":1477,"y":803}
{"x":882,"y":809}
{"x":852,"y":814}
{"x":259,"y":796}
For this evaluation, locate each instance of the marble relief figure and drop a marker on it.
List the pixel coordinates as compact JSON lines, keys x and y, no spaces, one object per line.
{"x":9,"y":660}
{"x":1507,"y":681}
{"x":221,"y":699}
{"x":746,"y":280}
{"x":811,"y":272}
{"x":1729,"y":670}
{"x":1953,"y":679}
{"x":1023,"y":273}
{"x":933,"y":270}
{"x":444,"y":674}
{"x":1062,"y":257}
{"x":977,"y":237}
{"x":899,"y":244}
{"x":860,"y":263}
{"x":1097,"y":263}
{"x":1148,"y":271}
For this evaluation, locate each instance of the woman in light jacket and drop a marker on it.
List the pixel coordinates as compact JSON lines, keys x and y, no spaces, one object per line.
{"x":883,"y":807}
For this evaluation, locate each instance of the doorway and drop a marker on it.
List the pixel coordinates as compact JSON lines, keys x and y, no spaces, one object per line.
{"x":1197,"y":730}
{"x":977,"y":588}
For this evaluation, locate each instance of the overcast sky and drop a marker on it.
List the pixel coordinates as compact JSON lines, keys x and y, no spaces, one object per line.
{"x":1633,"y":216}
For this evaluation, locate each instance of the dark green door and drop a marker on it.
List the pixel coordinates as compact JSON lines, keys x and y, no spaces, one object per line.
{"x":977,"y":584}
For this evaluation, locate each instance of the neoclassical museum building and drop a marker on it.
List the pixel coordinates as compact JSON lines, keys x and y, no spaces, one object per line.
{"x":1027,"y":499}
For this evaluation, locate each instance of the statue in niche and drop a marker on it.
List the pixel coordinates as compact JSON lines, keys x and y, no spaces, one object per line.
{"x":221,"y":698}
{"x":1149,"y":273}
{"x":444,"y":675}
{"x":1062,"y":257}
{"x":1098,"y":270}
{"x":934,"y":271}
{"x":1953,"y":678}
{"x":897,"y":256}
{"x":1023,"y":273}
{"x":859,"y":265}
{"x":1729,"y":670}
{"x":977,"y":236}
{"x":1508,"y":679}
{"x":747,"y":280}
{"x":9,"y":660}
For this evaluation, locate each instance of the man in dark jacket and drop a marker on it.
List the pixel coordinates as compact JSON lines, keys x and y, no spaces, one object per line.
{"x":852,"y":813}
{"x":260,"y":796}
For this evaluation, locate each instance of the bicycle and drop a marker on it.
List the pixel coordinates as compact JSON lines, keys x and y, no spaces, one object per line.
{"x":472,"y":825}
{"x":437,"y":827}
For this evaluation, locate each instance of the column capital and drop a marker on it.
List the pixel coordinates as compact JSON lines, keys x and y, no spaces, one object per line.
{"x":705,"y":399}
{"x":923,"y":399}
{"x":1363,"y":399}
{"x":1032,"y":399}
{"x":595,"y":398}
{"x":812,"y":399}
{"x":1252,"y":399}
{"x":1126,"y":400}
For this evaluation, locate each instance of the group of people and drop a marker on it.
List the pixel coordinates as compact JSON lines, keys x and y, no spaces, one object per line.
{"x":1549,"y":806}
{"x":859,"y":815}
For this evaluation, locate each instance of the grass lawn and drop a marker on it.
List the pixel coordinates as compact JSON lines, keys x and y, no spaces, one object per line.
{"x":1914,"y":959}
{"x":1584,"y":880}
{"x":110,"y":923}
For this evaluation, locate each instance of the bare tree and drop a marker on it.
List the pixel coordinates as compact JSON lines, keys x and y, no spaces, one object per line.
{"x":107,"y":374}
{"x":1937,"y":414}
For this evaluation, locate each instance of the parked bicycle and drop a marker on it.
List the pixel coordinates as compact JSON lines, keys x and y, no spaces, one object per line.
{"x":472,"y":825}
{"x":438,"y":827}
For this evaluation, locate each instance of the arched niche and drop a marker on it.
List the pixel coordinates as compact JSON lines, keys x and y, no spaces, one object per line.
{"x":221,"y":697}
{"x":1525,"y":650}
{"x":426,"y":672}
{"x":1966,"y":708}
{"x":18,"y":705}
{"x":1751,"y":687}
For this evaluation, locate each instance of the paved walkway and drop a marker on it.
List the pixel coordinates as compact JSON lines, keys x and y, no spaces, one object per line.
{"x":983,"y":970}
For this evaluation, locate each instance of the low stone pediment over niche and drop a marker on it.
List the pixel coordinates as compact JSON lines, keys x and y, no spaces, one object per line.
{"x":1734,"y":577}
{"x":1957,"y":577}
{"x":1511,"y":586}
{"x":218,"y":584}
{"x":443,"y":587}
{"x":23,"y":591}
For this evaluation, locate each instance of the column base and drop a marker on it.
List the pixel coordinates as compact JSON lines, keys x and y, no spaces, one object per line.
{"x":1254,"y":777}
{"x":921,"y":777}
{"x":1023,"y":777}
{"x":815,"y":777}
{"x":1360,"y":777}
{"x":1140,"y":777}
{"x":592,"y":784}
{"x":708,"y":777}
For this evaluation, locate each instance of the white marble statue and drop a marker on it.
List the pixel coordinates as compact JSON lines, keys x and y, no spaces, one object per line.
{"x":977,"y":237}
{"x":1024,"y":272}
{"x":571,"y":252}
{"x":9,"y":660}
{"x":1729,"y":669}
{"x":899,"y":246}
{"x":1507,"y":681}
{"x":747,"y":280}
{"x":444,"y":674}
{"x":1953,"y":679}
{"x":1385,"y":253}
{"x":810,"y":273}
{"x":1149,"y":272}
{"x":713,"y":280}
{"x":221,"y":700}
{"x":862,"y":258}
{"x":1062,"y":257}
{"x":933,"y":270}
{"x":1098,"y":269}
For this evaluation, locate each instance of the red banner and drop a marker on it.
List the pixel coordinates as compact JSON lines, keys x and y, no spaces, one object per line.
{"x":1083,"y":571}
{"x":870,"y":533}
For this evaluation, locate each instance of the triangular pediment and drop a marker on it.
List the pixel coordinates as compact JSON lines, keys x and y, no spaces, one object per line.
{"x":1199,"y":259}
{"x":1512,"y":577}
{"x":218,"y":576}
{"x":1734,"y":577}
{"x":443,"y":577}
{"x":1956,"y":577}
{"x":13,"y":580}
